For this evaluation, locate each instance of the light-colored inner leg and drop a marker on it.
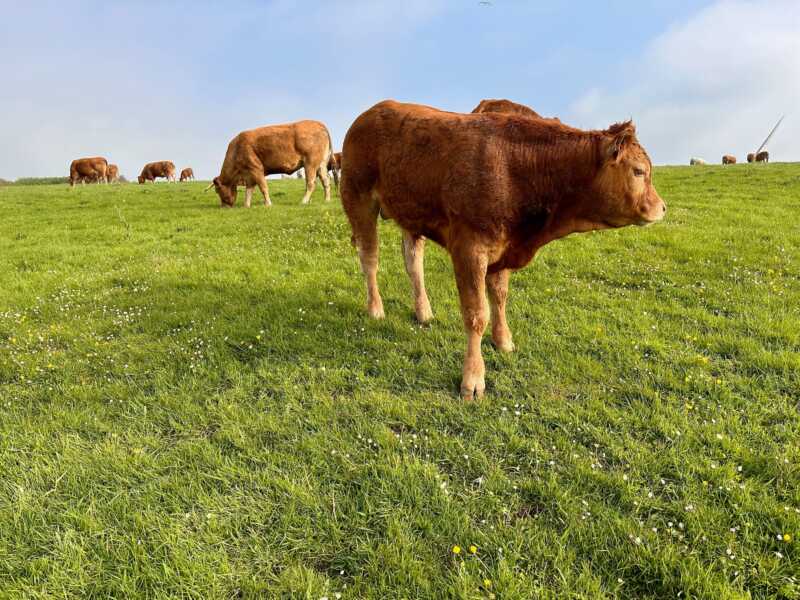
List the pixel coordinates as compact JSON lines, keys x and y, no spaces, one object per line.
{"x":326,"y":184}
{"x":470,"y":268}
{"x":311,"y":182}
{"x":248,"y":196}
{"x":414,"y":254}
{"x":262,"y":184}
{"x":497,"y":286}
{"x":369,"y":266}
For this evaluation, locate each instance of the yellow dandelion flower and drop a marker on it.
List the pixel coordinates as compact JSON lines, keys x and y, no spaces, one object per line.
{"x":456,"y":549}
{"x":473,"y":549}
{"x":787,"y":537}
{"x":487,"y":583}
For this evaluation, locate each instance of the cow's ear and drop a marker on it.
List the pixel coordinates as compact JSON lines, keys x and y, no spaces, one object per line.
{"x":620,"y":137}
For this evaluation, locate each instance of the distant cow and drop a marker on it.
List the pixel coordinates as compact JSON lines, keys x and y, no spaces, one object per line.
{"x":510,"y":108}
{"x":335,"y":167}
{"x":751,"y":157}
{"x":728,"y":160}
{"x":187,"y":174}
{"x":112,"y":174}
{"x":696,"y":161}
{"x":88,"y":169}
{"x":161,"y":168}
{"x":272,"y":150}
{"x":762,"y":156}
{"x":492,"y":189}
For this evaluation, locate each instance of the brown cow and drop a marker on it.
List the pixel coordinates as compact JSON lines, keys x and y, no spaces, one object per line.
{"x":492,"y":189}
{"x":751,"y":157}
{"x":505,"y":106}
{"x":510,"y":108}
{"x":762,"y":156}
{"x":187,"y":174}
{"x":161,"y":168}
{"x":112,"y":174}
{"x":273,"y":150}
{"x":728,"y":160}
{"x":88,"y":169}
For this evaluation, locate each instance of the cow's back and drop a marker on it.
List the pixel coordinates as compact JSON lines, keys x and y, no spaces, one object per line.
{"x":89,"y":167}
{"x":431,"y":169}
{"x":279,"y":148}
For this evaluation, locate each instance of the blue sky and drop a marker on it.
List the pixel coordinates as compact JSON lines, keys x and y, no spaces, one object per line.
{"x":141,"y":81}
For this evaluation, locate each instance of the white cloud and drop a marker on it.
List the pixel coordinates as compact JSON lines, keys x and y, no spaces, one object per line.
{"x":711,"y":86}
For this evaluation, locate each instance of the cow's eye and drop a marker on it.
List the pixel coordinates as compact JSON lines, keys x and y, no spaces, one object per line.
{"x":638,"y":172}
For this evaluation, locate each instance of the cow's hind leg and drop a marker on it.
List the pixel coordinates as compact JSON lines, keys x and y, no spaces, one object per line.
{"x":413,"y":253}
{"x":322,"y":172}
{"x":311,"y":182}
{"x":262,"y":185}
{"x":497,"y":286}
{"x":469,"y":263}
{"x":363,"y":216}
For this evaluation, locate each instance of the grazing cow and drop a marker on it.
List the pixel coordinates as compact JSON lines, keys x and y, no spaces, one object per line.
{"x":88,"y":169}
{"x":696,"y":161}
{"x":751,"y":157}
{"x":161,"y":168}
{"x":112,"y":174}
{"x":728,"y":160}
{"x":762,"y":156}
{"x":187,"y":174}
{"x":492,"y":189}
{"x":272,"y":150}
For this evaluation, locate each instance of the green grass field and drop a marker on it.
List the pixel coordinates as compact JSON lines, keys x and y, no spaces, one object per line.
{"x":194,"y":404}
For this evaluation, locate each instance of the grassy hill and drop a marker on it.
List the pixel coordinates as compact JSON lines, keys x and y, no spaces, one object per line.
{"x":193,"y":403}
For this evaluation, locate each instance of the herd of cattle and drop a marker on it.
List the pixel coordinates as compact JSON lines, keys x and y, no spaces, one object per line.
{"x":98,"y":170}
{"x":492,"y":187}
{"x":729,"y":159}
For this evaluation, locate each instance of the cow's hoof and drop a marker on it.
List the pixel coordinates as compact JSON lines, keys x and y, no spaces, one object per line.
{"x":504,"y":345}
{"x":473,"y":391}
{"x":473,"y":382}
{"x":424,"y":315}
{"x":375,"y":310}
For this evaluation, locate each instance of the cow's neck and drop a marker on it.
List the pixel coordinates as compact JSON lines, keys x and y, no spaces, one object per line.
{"x":560,"y":174}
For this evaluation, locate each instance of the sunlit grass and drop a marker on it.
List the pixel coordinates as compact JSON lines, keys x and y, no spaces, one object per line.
{"x":193,"y":403}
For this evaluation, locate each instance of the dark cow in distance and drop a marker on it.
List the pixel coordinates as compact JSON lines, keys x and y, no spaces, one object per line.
{"x":492,"y":189}
{"x":762,"y":156}
{"x":273,"y":150}
{"x":510,"y":108}
{"x":751,"y":157}
{"x":187,"y":174}
{"x":88,"y":169}
{"x":161,"y":168}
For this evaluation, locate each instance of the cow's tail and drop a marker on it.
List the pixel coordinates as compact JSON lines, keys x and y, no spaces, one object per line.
{"x":332,"y":161}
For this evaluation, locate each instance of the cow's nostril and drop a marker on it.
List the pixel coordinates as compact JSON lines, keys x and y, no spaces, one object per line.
{"x":663,"y":209}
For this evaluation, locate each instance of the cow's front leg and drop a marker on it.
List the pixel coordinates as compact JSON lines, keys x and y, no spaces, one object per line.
{"x":248,"y":196}
{"x":413,"y":254}
{"x":497,"y":286}
{"x":470,"y":269}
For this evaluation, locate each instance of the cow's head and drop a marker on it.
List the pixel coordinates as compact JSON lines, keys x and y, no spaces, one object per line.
{"x":141,"y":178}
{"x":623,"y":188}
{"x":226,"y":193}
